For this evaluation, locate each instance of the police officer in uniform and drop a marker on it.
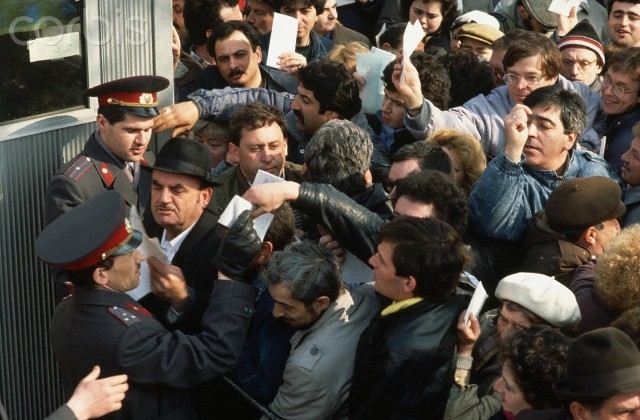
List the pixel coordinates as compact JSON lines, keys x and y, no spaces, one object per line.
{"x":111,"y":157}
{"x":101,"y":325}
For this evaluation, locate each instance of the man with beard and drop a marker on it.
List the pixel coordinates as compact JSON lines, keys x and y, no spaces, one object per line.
{"x":308,"y":293}
{"x":258,"y":142}
{"x":237,"y":55}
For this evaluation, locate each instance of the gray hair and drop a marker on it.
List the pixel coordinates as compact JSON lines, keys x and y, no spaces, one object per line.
{"x":339,"y":153}
{"x":308,"y":270}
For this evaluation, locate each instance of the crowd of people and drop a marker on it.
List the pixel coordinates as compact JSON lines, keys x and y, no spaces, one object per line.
{"x":503,"y":155}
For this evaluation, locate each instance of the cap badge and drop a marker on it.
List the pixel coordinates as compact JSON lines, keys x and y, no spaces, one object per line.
{"x":146,"y":99}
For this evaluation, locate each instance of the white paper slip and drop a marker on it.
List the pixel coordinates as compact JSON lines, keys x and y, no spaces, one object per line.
{"x":283,"y":38}
{"x":263,"y":177}
{"x":413,"y":34}
{"x":236,"y":206}
{"x":370,"y":66}
{"x":477,"y":302}
{"x":563,"y":7}
{"x":379,"y":34}
{"x":149,"y":247}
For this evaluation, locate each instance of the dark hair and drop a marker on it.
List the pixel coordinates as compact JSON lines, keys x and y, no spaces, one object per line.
{"x":469,"y":77}
{"x":282,"y":227}
{"x":308,"y":270}
{"x":537,"y":359}
{"x":428,"y":155}
{"x":569,"y":103}
{"x":112,"y":114}
{"x":611,"y":2}
{"x":253,"y":116}
{"x":333,"y":86}
{"x":225,"y":30}
{"x":433,"y":187}
{"x":393,"y":35}
{"x":203,"y":15}
{"x":84,"y":278}
{"x":533,"y":43}
{"x":434,"y":79}
{"x":626,"y":60}
{"x":339,"y":153}
{"x":317,"y":4}
{"x":429,"y":250}
{"x":449,"y":9}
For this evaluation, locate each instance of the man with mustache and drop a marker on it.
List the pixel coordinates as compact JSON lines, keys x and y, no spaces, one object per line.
{"x":237,"y":55}
{"x":258,"y":142}
{"x":101,"y":325}
{"x":326,"y":91}
{"x":181,"y":187}
{"x":111,"y":157}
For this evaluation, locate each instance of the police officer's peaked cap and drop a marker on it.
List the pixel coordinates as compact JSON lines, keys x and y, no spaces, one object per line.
{"x":134,"y":95}
{"x":89,"y":233}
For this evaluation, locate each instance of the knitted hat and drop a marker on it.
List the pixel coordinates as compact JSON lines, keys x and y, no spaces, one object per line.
{"x":542,"y":295}
{"x":480,"y":32}
{"x":600,"y":364}
{"x":539,"y":10}
{"x":583,"y":202}
{"x":583,"y":35}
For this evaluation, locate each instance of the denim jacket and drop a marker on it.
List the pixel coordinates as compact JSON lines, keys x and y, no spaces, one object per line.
{"x":220,"y":104}
{"x":508,"y":194}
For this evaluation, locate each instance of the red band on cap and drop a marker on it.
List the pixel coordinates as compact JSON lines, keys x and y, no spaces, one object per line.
{"x":134,"y":99}
{"x":115,"y":241}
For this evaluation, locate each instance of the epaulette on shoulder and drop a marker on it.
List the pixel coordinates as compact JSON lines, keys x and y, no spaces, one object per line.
{"x":79,"y":168}
{"x":124,"y":316}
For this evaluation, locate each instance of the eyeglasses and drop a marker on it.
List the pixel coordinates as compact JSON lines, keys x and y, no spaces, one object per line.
{"x":582,"y":64}
{"x":530,"y":81}
{"x":617,"y":89}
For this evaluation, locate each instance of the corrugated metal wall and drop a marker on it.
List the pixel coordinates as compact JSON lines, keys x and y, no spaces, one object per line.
{"x":29,"y":386}
{"x":28,"y":377}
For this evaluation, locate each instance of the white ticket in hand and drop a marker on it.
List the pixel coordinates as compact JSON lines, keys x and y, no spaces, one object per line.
{"x":236,"y":206}
{"x":563,"y":7}
{"x":477,"y":302}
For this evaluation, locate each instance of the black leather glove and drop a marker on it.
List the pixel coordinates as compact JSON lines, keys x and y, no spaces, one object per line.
{"x":238,"y":247}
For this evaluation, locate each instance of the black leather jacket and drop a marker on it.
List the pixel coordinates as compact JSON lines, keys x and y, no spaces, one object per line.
{"x":404,"y":362}
{"x":351,"y":224}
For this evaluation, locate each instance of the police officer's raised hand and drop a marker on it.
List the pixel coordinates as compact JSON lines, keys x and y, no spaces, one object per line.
{"x":238,"y":248}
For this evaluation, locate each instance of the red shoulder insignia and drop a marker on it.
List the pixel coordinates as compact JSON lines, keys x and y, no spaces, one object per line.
{"x":79,"y":168}
{"x":140,"y":309}
{"x":106,"y":174}
{"x":124,"y":316}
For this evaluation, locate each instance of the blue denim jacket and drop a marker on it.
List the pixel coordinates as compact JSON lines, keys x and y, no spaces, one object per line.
{"x":508,"y":194}
{"x":220,"y":104}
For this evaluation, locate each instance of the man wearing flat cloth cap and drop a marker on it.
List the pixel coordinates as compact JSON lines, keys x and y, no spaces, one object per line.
{"x":111,"y":157}
{"x":578,"y":221}
{"x":477,"y":39}
{"x":532,"y":15}
{"x":603,"y":376}
{"x":100,"y":324}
